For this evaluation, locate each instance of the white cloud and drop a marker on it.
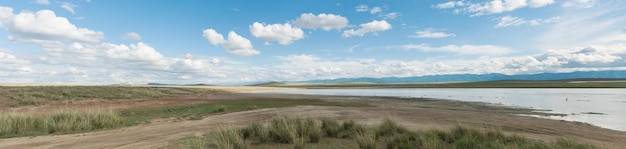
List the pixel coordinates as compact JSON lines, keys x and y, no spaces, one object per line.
{"x":9,"y":59}
{"x":69,"y":7}
{"x":362,"y":8}
{"x":598,"y":25}
{"x":540,"y":3}
{"x":43,"y":2}
{"x":370,"y":27}
{"x":508,"y":20}
{"x":282,"y":33}
{"x":450,"y":4}
{"x":307,"y":67}
{"x":235,"y":45}
{"x":391,"y":15}
{"x":431,"y":33}
{"x":135,"y":52}
{"x":44,"y":24}
{"x":213,"y":37}
{"x":131,"y":36}
{"x":496,"y":6}
{"x":492,"y":6}
{"x":459,"y":49}
{"x":580,"y":3}
{"x":299,"y":59}
{"x":375,"y":10}
{"x":239,"y":46}
{"x":322,"y":20}
{"x":191,"y":63}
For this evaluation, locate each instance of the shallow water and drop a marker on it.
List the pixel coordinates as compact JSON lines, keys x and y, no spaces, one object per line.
{"x":601,"y":107}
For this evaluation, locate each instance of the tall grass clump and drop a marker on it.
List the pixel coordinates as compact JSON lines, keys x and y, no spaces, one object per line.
{"x":13,"y":124}
{"x":365,"y":139}
{"x":331,"y":127}
{"x":294,"y":131}
{"x":18,"y":124}
{"x":229,"y":138}
{"x":284,"y":130}
{"x":257,"y":131}
{"x":310,"y":128}
{"x":196,"y":143}
{"x":407,"y":141}
{"x":389,"y":127}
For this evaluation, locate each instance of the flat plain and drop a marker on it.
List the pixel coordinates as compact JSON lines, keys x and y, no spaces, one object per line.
{"x":160,"y":117}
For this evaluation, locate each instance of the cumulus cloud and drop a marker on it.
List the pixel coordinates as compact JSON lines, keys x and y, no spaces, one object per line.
{"x":508,"y":20}
{"x":431,"y":33}
{"x":44,"y":24}
{"x":459,"y":49}
{"x":282,"y":33}
{"x":235,"y":45}
{"x":69,"y":7}
{"x":131,"y":36}
{"x":492,"y":7}
{"x":43,"y":2}
{"x":370,"y":27}
{"x":213,"y":37}
{"x":580,"y":3}
{"x":322,"y":20}
{"x":137,"y":52}
{"x":191,"y":63}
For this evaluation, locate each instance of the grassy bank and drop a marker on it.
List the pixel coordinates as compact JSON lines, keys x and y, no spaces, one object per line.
{"x":38,"y":95}
{"x":17,"y":124}
{"x":299,"y":133}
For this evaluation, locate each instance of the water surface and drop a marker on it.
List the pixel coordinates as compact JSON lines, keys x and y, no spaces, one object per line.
{"x":601,"y":107}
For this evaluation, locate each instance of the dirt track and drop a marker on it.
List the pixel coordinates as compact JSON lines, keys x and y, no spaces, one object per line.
{"x":417,"y":114}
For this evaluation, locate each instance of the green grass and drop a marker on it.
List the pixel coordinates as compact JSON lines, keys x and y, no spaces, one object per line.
{"x":36,"y":95}
{"x":17,"y":124}
{"x":198,"y":111}
{"x":291,"y":131}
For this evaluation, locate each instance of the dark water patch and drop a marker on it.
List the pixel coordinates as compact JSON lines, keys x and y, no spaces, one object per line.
{"x":594,"y":113}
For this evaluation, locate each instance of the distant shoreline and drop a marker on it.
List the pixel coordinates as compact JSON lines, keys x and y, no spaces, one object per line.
{"x":484,"y":84}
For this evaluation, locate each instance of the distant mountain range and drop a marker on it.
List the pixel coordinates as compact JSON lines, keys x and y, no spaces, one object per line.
{"x":595,"y":75}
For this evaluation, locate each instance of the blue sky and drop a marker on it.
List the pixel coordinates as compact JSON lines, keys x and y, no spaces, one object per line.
{"x":230,"y":42}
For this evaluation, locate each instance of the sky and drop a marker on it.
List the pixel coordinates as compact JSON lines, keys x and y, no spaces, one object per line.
{"x":242,"y":41}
